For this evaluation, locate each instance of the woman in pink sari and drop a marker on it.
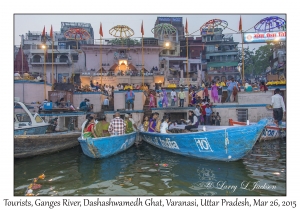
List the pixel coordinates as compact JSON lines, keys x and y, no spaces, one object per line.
{"x":151,"y":101}
{"x":214,"y":92}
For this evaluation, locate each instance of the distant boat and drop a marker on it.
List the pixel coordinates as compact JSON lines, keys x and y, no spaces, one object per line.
{"x":223,"y":143}
{"x":26,"y":123}
{"x":270,"y":132}
{"x":32,"y":145}
{"x":30,"y":138}
{"x":106,"y":146}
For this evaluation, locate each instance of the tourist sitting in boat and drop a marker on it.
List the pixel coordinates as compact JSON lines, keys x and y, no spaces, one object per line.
{"x":145,"y":126}
{"x":165,"y":124}
{"x":158,"y":123}
{"x":152,"y":122}
{"x":117,"y":125}
{"x":134,"y":125}
{"x":101,"y":128}
{"x":128,"y":123}
{"x":88,"y":131}
{"x":192,"y":121}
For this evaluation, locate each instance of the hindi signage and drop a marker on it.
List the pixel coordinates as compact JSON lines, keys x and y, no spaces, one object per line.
{"x":265,"y":37}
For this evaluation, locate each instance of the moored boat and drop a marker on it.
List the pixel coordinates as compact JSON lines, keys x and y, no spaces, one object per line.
{"x":106,"y":146}
{"x":27,"y":123}
{"x":223,"y":143}
{"x":270,"y":132}
{"x":32,"y":145}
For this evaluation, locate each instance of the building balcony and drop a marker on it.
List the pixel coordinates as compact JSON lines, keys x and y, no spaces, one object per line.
{"x":221,"y":51}
{"x":50,"y":62}
{"x":224,"y":60}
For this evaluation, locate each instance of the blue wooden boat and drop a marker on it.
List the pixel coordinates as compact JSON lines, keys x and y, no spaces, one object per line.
{"x":27,"y":123}
{"x":224,"y":143}
{"x":106,"y":146}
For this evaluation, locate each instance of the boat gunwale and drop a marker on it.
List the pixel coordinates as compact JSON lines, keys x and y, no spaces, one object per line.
{"x":104,"y":138}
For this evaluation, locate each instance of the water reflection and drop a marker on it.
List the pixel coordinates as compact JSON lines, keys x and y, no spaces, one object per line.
{"x":146,"y":170}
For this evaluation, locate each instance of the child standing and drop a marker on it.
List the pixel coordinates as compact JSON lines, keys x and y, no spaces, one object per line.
{"x":218,"y":119}
{"x":213,"y":119}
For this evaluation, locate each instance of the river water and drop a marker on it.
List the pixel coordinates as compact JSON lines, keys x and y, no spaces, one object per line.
{"x":146,"y":170}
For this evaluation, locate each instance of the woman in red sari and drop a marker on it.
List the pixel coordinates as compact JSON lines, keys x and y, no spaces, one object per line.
{"x":88,"y":131}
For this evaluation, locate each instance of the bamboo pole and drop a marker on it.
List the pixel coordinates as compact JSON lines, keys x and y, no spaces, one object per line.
{"x":187,"y":60}
{"x":45,"y":96}
{"x":101,"y":59}
{"x":143,"y":67}
{"x":243,"y":69}
{"x":52,"y":64}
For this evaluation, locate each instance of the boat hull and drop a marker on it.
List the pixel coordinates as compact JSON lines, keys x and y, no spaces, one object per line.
{"x":106,"y":146}
{"x":32,"y":145}
{"x":269,"y":133}
{"x":229,"y":144}
{"x":31,"y":131}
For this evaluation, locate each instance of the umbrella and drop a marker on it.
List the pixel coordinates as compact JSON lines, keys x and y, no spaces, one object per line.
{"x":121,"y":31}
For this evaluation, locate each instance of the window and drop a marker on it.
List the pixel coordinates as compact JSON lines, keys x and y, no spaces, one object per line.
{"x":38,"y":119}
{"x":242,"y":115}
{"x":162,"y":65}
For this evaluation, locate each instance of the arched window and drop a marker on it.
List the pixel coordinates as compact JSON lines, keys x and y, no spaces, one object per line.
{"x":36,"y":59}
{"x":63,"y":58}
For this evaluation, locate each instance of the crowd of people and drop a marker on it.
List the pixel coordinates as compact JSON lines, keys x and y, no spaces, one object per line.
{"x":95,"y":127}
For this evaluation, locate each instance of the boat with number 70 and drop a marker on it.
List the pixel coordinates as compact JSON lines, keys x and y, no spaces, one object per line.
{"x":223,"y":143}
{"x":270,"y":132}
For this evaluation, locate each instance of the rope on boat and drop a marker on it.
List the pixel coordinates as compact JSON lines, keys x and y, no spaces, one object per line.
{"x":226,"y":140}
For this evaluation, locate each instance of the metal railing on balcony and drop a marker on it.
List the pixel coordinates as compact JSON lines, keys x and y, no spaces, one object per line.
{"x":223,"y":59}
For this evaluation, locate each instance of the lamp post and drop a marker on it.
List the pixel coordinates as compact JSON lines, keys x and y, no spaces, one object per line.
{"x":45,"y":49}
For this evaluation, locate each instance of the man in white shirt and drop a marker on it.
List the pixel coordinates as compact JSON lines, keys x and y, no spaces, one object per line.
{"x":278,"y":107}
{"x":106,"y":103}
{"x":173,"y":97}
{"x":197,"y":112}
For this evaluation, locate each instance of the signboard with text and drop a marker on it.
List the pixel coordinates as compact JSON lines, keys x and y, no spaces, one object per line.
{"x":170,"y":19}
{"x":265,"y":37}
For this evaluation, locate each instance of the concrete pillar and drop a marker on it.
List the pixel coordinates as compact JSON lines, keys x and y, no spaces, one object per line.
{"x":60,"y":124}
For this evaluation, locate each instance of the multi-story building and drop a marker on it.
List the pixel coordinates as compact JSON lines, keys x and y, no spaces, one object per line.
{"x":173,"y":60}
{"x":66,"y":61}
{"x":221,"y":55}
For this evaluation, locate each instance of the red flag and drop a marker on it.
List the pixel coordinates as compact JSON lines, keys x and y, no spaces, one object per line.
{"x":240,"y":24}
{"x":142,"y":29}
{"x":100,"y":31}
{"x":186,"y":27}
{"x":51,"y":32}
{"x":43,"y":35}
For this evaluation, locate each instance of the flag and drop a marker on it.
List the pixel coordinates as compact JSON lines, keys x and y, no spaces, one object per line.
{"x":44,"y":35}
{"x":240,"y":24}
{"x":186,"y":27}
{"x":51,"y":33}
{"x":142,"y":29}
{"x":100,"y":31}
